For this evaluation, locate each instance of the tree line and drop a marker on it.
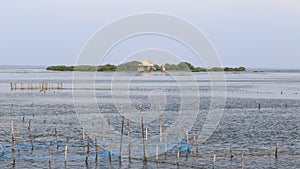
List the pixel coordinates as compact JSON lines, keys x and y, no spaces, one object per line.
{"x":134,"y":65}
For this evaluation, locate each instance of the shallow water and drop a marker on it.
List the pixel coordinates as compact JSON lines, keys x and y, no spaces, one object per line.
{"x":242,"y":127}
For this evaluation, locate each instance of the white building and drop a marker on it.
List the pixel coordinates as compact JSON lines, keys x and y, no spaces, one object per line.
{"x":146,"y":65}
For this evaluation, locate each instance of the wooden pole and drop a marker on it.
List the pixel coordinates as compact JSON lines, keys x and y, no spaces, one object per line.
{"x":56,"y":135}
{"x":156,"y":154}
{"x":178,"y":150}
{"x":145,"y":157}
{"x":31,"y":141}
{"x":242,"y":160}
{"x":198,"y":142}
{"x":66,"y":152}
{"x":87,"y":157}
{"x":121,"y":139}
{"x":129,"y":145}
{"x":97,"y":150}
{"x":187,"y":136}
{"x":146,"y":150}
{"x":276,"y":151}
{"x":11,"y":86}
{"x":89,"y":141}
{"x":166,"y":148}
{"x":32,"y":111}
{"x":50,"y":152}
{"x":146,"y":134}
{"x":215,"y":157}
{"x":110,"y":153}
{"x":231,"y":153}
{"x":14,"y":160}
{"x":2,"y":151}
{"x":12,"y":137}
{"x":194,"y":142}
{"x":258,"y":105}
{"x":178,"y":154}
{"x":160,"y":130}
{"x":82,"y":133}
{"x":29,"y":124}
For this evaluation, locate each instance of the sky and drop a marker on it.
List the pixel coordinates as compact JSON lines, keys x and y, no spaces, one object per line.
{"x":251,"y":33}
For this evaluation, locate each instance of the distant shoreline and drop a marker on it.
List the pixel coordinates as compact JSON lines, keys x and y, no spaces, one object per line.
{"x":140,"y":67}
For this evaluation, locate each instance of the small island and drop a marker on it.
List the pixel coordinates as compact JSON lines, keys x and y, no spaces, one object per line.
{"x":142,"y":66}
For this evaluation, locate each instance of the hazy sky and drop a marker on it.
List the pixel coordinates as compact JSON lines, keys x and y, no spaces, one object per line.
{"x":252,"y":33}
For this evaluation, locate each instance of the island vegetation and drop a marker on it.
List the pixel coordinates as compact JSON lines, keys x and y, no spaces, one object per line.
{"x":135,"y":65}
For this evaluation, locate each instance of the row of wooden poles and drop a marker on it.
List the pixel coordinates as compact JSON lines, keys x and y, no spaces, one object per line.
{"x":144,"y":132}
{"x":259,"y":105}
{"x":145,"y":146}
{"x":36,"y":86}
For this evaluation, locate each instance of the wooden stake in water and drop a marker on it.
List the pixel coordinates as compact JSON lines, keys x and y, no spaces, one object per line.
{"x":110,"y":153}
{"x":2,"y":151}
{"x":187,"y":136}
{"x":146,"y":150}
{"x":31,"y":141}
{"x":97,"y":150}
{"x":194,"y":143}
{"x":258,"y":105}
{"x":50,"y":152}
{"x":66,"y":152}
{"x":129,"y":145}
{"x":166,"y":148}
{"x":198,"y":142}
{"x":145,"y":155}
{"x":121,"y":139}
{"x":242,"y":160}
{"x":178,"y":151}
{"x":29,"y":124}
{"x":231,"y":153}
{"x":87,"y":157}
{"x":215,"y":157}
{"x":12,"y":137}
{"x":32,"y":111}
{"x":276,"y":151}
{"x":160,"y":130}
{"x":56,"y":135}
{"x":14,"y":160}
{"x":146,"y":134}
{"x":89,"y":140}
{"x":156,"y":154}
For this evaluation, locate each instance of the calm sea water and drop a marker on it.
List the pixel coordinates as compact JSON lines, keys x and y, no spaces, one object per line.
{"x":243,"y":127}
